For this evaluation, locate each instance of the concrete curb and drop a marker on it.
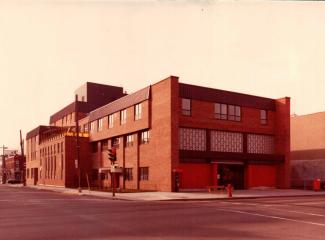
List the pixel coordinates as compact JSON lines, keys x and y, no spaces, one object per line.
{"x":128,"y":198}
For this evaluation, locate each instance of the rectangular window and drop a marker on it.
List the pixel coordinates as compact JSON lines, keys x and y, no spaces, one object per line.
{"x":137,"y":111}
{"x":129,"y":140}
{"x":92,"y":126}
{"x":128,"y":174}
{"x":145,"y":137}
{"x":54,"y":167}
{"x":192,"y":139}
{"x":104,"y":145}
{"x":58,"y":147}
{"x":263,"y":116}
{"x":116,"y":142}
{"x":224,"y":111}
{"x":123,"y":116}
{"x":111,"y":121}
{"x":186,"y":107}
{"x":86,"y":127}
{"x":100,"y":124}
{"x":144,"y":173}
{"x":227,"y":112}
{"x":62,"y":166}
{"x":61,"y":146}
{"x":237,"y":113}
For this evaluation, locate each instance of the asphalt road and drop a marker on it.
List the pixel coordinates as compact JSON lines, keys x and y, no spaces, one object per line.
{"x":35,"y":214}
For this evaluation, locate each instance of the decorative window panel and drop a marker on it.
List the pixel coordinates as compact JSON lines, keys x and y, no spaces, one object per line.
{"x":260,"y":144}
{"x":192,"y":139}
{"x":226,"y":141}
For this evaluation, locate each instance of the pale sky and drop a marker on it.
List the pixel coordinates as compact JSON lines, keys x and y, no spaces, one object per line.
{"x":50,"y":48}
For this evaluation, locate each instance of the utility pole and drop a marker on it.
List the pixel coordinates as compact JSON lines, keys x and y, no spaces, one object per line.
{"x":78,"y":145}
{"x":3,"y":164}
{"x":23,"y":161}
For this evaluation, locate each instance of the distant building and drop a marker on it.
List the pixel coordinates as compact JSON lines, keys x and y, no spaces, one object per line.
{"x":14,"y":167}
{"x":307,"y":149}
{"x":53,"y":159}
{"x":167,"y":136}
{"x":3,"y":170}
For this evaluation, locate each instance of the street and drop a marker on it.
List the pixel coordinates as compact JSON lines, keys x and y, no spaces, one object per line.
{"x":35,"y":214}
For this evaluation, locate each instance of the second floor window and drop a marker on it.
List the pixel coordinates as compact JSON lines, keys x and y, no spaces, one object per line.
{"x":263,"y":116}
{"x":111,"y":121}
{"x":186,"y":107}
{"x":123,"y":116}
{"x":227,"y":112}
{"x":92,"y":126}
{"x":86,"y":127}
{"x":100,"y":124}
{"x":137,"y":111}
{"x":129,"y":140}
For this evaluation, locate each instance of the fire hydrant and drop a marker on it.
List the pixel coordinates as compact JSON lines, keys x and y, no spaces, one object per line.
{"x":229,"y":190}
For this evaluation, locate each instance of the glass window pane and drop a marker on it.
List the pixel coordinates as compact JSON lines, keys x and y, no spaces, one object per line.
{"x":217,"y":107}
{"x":238,"y":111}
{"x":186,"y":104}
{"x":231,"y":110}
{"x":224,"y":109}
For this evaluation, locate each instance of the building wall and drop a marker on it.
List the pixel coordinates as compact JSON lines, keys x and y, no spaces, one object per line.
{"x":119,"y":129}
{"x":14,"y":167}
{"x":194,"y":176}
{"x":261,"y":175}
{"x":276,"y":130}
{"x":282,"y":140}
{"x":54,"y":163}
{"x":307,"y":149}
{"x":202,"y":116}
{"x":308,"y":133}
{"x":32,"y":159}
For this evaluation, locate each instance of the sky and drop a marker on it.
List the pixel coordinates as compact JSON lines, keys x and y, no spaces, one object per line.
{"x":49,"y":48}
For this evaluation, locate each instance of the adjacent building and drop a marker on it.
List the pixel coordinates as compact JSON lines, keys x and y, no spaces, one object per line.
{"x":14,"y":167}
{"x":307,"y":149}
{"x":170,"y":135}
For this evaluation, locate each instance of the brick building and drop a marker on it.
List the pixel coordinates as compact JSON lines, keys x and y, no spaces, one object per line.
{"x":51,"y":150}
{"x":14,"y":167}
{"x":171,"y":133}
{"x":307,"y":149}
{"x":51,"y":156}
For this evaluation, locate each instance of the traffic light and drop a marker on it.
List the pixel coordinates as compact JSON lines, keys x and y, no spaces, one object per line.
{"x":112,"y":154}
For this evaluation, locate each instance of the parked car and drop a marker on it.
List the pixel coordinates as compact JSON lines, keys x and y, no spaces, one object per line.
{"x":13,"y":181}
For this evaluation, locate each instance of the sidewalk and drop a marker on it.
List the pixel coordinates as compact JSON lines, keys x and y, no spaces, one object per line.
{"x":186,"y":196}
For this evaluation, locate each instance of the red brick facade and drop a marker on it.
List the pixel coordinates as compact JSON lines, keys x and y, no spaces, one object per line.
{"x":164,"y":143}
{"x":14,"y":167}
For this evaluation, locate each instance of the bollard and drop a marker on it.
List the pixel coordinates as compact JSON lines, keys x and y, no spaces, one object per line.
{"x":229,"y":190}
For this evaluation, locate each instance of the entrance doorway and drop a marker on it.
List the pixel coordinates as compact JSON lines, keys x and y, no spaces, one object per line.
{"x":231,"y":173}
{"x":35,"y":175}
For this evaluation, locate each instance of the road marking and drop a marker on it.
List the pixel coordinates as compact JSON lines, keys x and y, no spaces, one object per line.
{"x":273,"y":217}
{"x":277,"y":209}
